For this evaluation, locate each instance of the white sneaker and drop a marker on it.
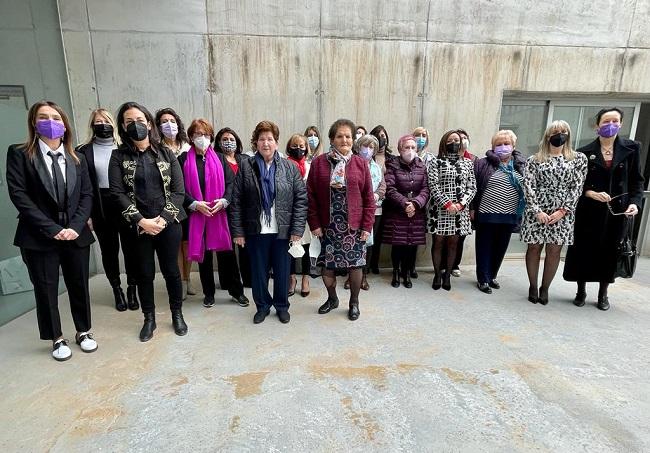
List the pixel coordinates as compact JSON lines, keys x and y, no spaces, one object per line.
{"x":190,"y":288}
{"x":60,"y":351}
{"x":86,"y":342}
{"x":456,"y":272}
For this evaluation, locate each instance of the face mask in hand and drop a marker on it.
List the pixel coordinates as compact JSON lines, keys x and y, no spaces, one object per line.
{"x":296,"y":249}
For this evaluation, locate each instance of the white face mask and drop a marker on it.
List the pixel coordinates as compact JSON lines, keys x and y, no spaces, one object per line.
{"x":201,"y":142}
{"x":296,"y":250}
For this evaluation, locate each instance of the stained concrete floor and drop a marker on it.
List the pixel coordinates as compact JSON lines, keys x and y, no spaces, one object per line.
{"x":419,"y":371}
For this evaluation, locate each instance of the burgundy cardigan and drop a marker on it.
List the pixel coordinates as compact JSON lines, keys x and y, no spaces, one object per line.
{"x":360,"y":197}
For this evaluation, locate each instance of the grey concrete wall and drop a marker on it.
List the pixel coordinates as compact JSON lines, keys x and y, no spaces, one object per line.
{"x":402,"y":64}
{"x":440,"y":64}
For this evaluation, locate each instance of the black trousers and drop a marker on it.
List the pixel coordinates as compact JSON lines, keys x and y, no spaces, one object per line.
{"x":165,"y":245}
{"x":229,"y":278}
{"x":267,"y":252}
{"x":43,"y":268}
{"x":403,"y":257}
{"x":110,"y":232}
{"x":492,"y":241}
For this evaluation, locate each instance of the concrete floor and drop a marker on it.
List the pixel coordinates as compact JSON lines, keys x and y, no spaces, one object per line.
{"x":420,"y":371}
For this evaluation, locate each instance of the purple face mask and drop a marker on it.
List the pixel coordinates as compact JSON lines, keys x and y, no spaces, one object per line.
{"x":609,"y":130}
{"x":50,"y":129}
{"x":503,"y":151}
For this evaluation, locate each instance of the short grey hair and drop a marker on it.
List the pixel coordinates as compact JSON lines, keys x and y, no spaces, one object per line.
{"x":368,"y":140}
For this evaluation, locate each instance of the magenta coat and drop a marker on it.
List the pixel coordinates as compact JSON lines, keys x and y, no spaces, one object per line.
{"x":404,"y":183}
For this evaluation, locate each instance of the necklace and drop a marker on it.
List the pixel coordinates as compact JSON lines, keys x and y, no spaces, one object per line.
{"x":606,"y":151}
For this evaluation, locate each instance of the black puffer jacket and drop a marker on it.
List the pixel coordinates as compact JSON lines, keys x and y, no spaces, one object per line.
{"x":290,"y":200}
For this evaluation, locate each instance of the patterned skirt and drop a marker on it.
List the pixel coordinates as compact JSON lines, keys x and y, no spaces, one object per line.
{"x":341,"y":247}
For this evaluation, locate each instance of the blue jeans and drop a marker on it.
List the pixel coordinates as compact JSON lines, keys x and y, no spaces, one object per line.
{"x":267,"y":252}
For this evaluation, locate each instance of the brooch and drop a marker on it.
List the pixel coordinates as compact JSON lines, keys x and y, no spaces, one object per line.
{"x":592,"y":157}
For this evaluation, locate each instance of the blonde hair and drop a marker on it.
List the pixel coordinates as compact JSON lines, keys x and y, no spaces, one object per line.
{"x":107,"y":115}
{"x":556,"y":127}
{"x":505,"y":133}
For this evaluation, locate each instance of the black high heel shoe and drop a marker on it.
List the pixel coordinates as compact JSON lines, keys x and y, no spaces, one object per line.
{"x":543,"y":295}
{"x":120,"y":300}
{"x":533,"y":295}
{"x":437,"y":281}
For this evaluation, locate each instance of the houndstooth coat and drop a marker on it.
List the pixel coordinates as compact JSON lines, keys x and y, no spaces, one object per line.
{"x":450,"y":181}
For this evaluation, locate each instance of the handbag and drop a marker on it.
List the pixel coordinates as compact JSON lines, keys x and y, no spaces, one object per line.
{"x":626,"y":253}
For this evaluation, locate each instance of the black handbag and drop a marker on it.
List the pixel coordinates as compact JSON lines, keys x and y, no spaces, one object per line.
{"x":626,"y":253}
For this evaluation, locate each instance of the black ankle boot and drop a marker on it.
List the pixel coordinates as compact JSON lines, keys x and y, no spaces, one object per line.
{"x":603,"y":302}
{"x":132,"y":297}
{"x":446,"y":281}
{"x":437,"y":281}
{"x":395,"y":282}
{"x":406,"y":280}
{"x":180,"y":328}
{"x":579,"y":301}
{"x":120,"y":300}
{"x":353,"y":312}
{"x":148,"y":327}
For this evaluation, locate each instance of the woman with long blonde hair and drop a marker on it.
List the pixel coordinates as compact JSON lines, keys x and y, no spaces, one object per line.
{"x":553,"y":181}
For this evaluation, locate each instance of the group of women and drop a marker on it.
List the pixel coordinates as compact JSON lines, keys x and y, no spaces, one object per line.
{"x":184,"y":195}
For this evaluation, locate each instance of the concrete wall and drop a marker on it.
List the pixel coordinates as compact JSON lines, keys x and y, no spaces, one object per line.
{"x":402,"y":64}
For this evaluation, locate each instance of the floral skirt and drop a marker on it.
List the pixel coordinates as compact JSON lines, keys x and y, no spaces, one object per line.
{"x":341,"y":247}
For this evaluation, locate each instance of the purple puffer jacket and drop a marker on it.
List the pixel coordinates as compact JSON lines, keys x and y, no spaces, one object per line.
{"x":405,"y":182}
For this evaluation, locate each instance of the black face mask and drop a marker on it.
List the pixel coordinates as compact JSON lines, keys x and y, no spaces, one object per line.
{"x":103,"y":130}
{"x":558,"y":139}
{"x":382,"y":142}
{"x":452,"y":148}
{"x":297,"y":153}
{"x":137,"y":131}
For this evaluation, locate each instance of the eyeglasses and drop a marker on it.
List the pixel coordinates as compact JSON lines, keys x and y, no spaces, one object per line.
{"x":609,"y":206}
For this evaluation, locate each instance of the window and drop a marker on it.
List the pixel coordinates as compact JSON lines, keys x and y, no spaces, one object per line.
{"x":528,"y":118}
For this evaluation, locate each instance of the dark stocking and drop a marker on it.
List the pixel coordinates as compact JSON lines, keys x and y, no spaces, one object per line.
{"x":329,"y":279}
{"x":533,"y":253}
{"x":355,"y":276}
{"x":551,"y":262}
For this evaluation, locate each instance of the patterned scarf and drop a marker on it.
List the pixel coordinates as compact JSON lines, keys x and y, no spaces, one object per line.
{"x":337,"y":178}
{"x":268,"y":185}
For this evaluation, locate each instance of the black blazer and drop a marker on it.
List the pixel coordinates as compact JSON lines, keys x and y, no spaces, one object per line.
{"x":32,"y":192}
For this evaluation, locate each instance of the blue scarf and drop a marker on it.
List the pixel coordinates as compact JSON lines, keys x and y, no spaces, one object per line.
{"x":510,"y":171}
{"x":268,"y":186}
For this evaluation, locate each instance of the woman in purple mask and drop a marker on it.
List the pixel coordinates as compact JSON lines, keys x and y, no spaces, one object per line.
{"x":49,"y":185}
{"x":174,"y":137}
{"x":407,"y":195}
{"x":552,"y":185}
{"x":613,"y":193}
{"x":497,"y":206}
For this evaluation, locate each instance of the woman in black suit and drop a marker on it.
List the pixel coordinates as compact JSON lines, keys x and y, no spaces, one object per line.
{"x":147,"y":186}
{"x":49,"y":185}
{"x":105,"y":217}
{"x":612,"y":195}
